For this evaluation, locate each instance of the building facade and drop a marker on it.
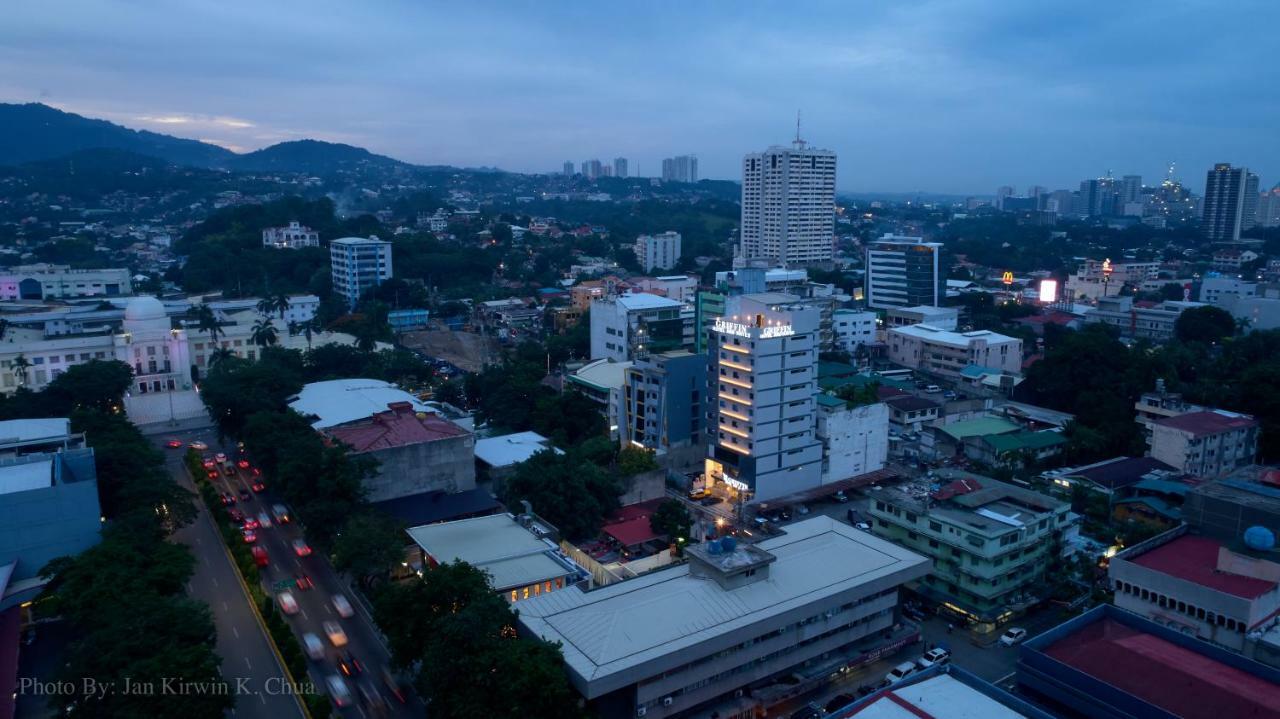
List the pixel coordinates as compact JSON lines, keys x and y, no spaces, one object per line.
{"x":762,"y":367}
{"x":658,"y":252}
{"x":60,"y":282}
{"x":1230,"y":202}
{"x":1153,"y":323}
{"x":855,"y":440}
{"x":291,"y":237}
{"x":948,"y":353}
{"x":1209,"y":443}
{"x":788,"y":205}
{"x":1103,"y":278}
{"x":631,"y":324}
{"x":943,"y":318}
{"x":681,"y":168}
{"x":852,"y":330}
{"x":359,"y":264}
{"x":903,"y":272}
{"x":664,"y":402}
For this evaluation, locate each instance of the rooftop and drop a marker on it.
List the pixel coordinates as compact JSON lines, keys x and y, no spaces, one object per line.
{"x":958,"y":339}
{"x":23,"y":431}
{"x":1119,"y":472}
{"x":610,"y":631}
{"x":438,"y":506}
{"x":25,"y":477}
{"x":604,"y":374}
{"x":938,"y":697}
{"x":927,"y":310}
{"x":1025,"y":440}
{"x":1208,"y":422}
{"x":634,"y":301}
{"x":398,"y":426}
{"x":1195,"y":559}
{"x":910,"y":403}
{"x":979,"y":427}
{"x":340,"y":401}
{"x":510,"y":449}
{"x":511,"y":553}
{"x":1179,"y":678}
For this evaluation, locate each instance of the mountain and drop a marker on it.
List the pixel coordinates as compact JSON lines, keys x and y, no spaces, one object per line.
{"x":39,"y":132}
{"x":312,"y":157}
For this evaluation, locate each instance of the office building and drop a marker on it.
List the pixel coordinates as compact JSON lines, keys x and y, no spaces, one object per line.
{"x":358,"y":264}
{"x":947,"y":354}
{"x":1222,"y":291}
{"x":788,"y":205}
{"x":1130,"y":189}
{"x":635,"y":323}
{"x":1104,"y":278}
{"x":658,"y":252}
{"x":1002,"y":193}
{"x":991,"y":542}
{"x":1109,"y":663}
{"x":943,"y":318}
{"x":763,"y":374}
{"x":691,"y":639}
{"x":664,"y":402}
{"x":1098,"y":198}
{"x":855,"y":439}
{"x":60,"y":282}
{"x":1230,"y":202}
{"x":903,"y":272}
{"x":620,"y":167}
{"x":853,"y":331}
{"x":1198,"y":586}
{"x":1153,"y":323}
{"x":591,"y":169}
{"x":1268,"y":213}
{"x":567,"y":170}
{"x":292,"y":237}
{"x":48,"y":502}
{"x":1210,"y":443}
{"x":681,"y":168}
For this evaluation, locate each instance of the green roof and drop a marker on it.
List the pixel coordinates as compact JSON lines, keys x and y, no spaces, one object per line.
{"x":1018,"y":441}
{"x":1157,"y":505}
{"x":1162,"y":486}
{"x":836,"y":381}
{"x":836,"y":369}
{"x":979,"y":427}
{"x":826,"y":400}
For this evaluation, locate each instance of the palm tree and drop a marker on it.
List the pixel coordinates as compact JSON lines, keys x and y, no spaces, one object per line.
{"x":220,"y":354}
{"x":207,"y":321}
{"x":20,"y":365}
{"x":273,"y":304}
{"x":264,"y":333}
{"x":308,"y":328}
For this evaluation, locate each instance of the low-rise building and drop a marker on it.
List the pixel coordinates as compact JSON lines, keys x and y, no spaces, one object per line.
{"x":733,"y":616}
{"x":1095,"y":279}
{"x":521,"y":554}
{"x":602,"y":381}
{"x":943,"y":318}
{"x":855,"y":439}
{"x":946,"y":353}
{"x":941,"y":692}
{"x":1112,"y":476}
{"x":909,"y":413}
{"x":664,"y":402}
{"x":1210,"y":443}
{"x":1136,"y":321}
{"x":635,"y":323}
{"x":1198,"y":586}
{"x":497,"y":457}
{"x":291,"y":237}
{"x":991,"y":542}
{"x":852,"y":330}
{"x":1226,"y":508}
{"x":49,"y":282}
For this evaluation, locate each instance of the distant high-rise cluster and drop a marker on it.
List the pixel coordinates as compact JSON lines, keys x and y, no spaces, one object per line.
{"x":788,"y":205}
{"x":592,"y":169}
{"x":681,"y":168}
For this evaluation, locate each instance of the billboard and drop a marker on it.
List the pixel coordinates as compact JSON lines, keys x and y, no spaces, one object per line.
{"x":1048,"y":290}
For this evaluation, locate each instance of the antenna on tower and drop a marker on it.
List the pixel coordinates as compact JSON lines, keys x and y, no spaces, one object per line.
{"x":798,"y":142}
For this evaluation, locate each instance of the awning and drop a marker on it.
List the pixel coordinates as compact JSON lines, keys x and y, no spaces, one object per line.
{"x":632,"y":532}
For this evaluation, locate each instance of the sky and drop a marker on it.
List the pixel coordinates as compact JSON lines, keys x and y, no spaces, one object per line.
{"x":952,"y":96}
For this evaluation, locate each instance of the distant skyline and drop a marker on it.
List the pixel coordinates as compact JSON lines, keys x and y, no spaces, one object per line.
{"x":951,"y":96}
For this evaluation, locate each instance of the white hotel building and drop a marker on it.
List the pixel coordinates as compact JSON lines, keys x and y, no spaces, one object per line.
{"x":789,"y":205}
{"x":762,"y":375}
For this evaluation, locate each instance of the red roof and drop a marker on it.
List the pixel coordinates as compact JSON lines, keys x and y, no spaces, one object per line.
{"x":956,"y":488}
{"x":1181,"y":681}
{"x":1195,"y":559}
{"x":1206,"y":422}
{"x":400,"y":425}
{"x":631,"y":532}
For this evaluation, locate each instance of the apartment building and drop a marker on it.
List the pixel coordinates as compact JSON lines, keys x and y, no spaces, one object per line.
{"x":658,"y":252}
{"x":1104,"y":278}
{"x":851,"y":329}
{"x":291,"y":237}
{"x":358,"y":264}
{"x":788,"y":205}
{"x":635,"y":323}
{"x":990,"y":542}
{"x":947,"y":354}
{"x":664,"y":402}
{"x":60,"y":282}
{"x":1138,"y":322}
{"x":1209,"y":443}
{"x":855,"y":440}
{"x":692,"y":639}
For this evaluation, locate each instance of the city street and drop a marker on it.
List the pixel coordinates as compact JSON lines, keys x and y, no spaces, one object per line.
{"x":369,"y":696}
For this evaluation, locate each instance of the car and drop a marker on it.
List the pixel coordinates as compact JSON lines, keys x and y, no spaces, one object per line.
{"x":840,"y":701}
{"x":933,"y":389}
{"x":801,"y":510}
{"x":898,"y":673}
{"x":208,"y":463}
{"x":372,"y":702}
{"x":228,"y":499}
{"x":709,"y":500}
{"x":236,"y":515}
{"x":228,"y":471}
{"x":698,"y":494}
{"x":349,"y":665}
{"x":302,"y":581}
{"x":864,"y":526}
{"x":250,"y":522}
{"x":808,"y":711}
{"x":288,"y":604}
{"x":301,"y":548}
{"x":244,"y":494}
{"x":937,"y":655}
{"x":281,"y":513}
{"x":313,"y":646}
{"x":259,"y":485}
{"x":260,"y":557}
{"x":250,"y":536}
{"x":950,"y":394}
{"x":336,"y":636}
{"x":1012,"y":636}
{"x":212,"y":474}
{"x":243,"y":464}
{"x":393,"y":685}
{"x":173,"y":444}
{"x":220,"y":457}
{"x":264,"y":520}
{"x":338,"y":690}
{"x":840,"y":497}
{"x":342,"y":606}
{"x":198,"y":446}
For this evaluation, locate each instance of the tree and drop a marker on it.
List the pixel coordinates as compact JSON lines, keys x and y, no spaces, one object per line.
{"x":634,"y":460}
{"x":207,"y":321}
{"x":264,"y":333}
{"x":96,"y":384}
{"x":369,"y":547}
{"x":414,"y":611}
{"x":274,"y":303}
{"x":219,"y":355}
{"x":1206,"y":324}
{"x":671,"y":519}
{"x":573,"y":495}
{"x":20,"y":366}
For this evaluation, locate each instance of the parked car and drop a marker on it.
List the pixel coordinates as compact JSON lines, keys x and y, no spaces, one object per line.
{"x":949,"y":394}
{"x":840,"y":497}
{"x":840,"y":701}
{"x":342,"y":606}
{"x":1012,"y":636}
{"x":699,"y":494}
{"x":938,"y":655}
{"x":313,"y":646}
{"x":864,"y":526}
{"x":933,"y":389}
{"x":898,"y":673}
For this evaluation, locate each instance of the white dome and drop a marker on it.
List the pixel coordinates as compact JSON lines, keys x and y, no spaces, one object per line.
{"x":145,"y":308}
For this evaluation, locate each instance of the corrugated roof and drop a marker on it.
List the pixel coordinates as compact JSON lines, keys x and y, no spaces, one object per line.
{"x":1025,"y":440}
{"x":340,"y":401}
{"x":940,"y":696}
{"x":1207,"y":422}
{"x":1195,"y":559}
{"x":510,"y":449}
{"x":979,"y":427}
{"x":400,"y":425}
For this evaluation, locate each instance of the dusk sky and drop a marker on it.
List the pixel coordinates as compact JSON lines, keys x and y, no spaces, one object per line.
{"x":956,"y":97}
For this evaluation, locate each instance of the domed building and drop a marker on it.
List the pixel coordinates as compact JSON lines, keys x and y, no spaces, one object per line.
{"x":156,"y":350}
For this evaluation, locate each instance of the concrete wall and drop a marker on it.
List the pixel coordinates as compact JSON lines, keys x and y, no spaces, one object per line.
{"x":644,"y":486}
{"x":445,"y":464}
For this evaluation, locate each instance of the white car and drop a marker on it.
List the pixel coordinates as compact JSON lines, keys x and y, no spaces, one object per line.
{"x":313,"y":645}
{"x":198,"y":446}
{"x":339,"y":690}
{"x":900,"y":672}
{"x":1012,"y":636}
{"x":264,"y":520}
{"x":342,"y":606}
{"x":288,"y":604}
{"x":937,"y":656}
{"x":337,"y":637}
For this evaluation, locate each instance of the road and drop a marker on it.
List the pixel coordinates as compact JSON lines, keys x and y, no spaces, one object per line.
{"x":249,"y":664}
{"x":370,"y":697}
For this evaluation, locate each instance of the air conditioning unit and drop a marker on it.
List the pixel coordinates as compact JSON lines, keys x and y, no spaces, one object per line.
{"x":666,"y":701}
{"x":641,"y":711}
{"x":738,"y":694}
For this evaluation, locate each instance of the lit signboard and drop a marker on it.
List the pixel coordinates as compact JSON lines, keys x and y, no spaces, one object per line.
{"x":1007,"y":278}
{"x":732,"y":328}
{"x":1048,"y":290}
{"x":776,"y":331}
{"x":736,"y":484}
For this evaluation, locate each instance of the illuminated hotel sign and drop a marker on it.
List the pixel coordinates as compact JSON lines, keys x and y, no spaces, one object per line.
{"x":741,"y":330}
{"x":736,"y":484}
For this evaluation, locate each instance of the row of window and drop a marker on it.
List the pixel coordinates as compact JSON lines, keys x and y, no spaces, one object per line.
{"x":1166,"y":602}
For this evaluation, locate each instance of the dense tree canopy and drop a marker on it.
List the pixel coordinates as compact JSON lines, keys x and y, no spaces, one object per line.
{"x":571,"y":493}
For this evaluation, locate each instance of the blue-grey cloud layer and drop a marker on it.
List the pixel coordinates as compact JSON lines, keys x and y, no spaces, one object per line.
{"x":943,"y":96}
